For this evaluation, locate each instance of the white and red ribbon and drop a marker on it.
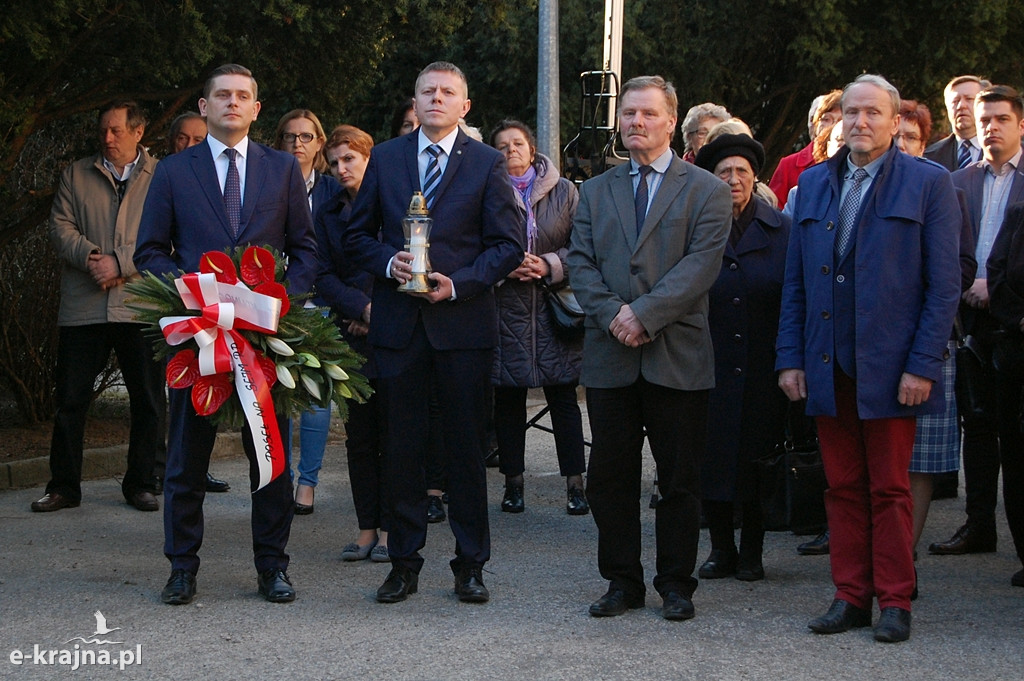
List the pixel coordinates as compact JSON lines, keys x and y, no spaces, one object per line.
{"x":224,"y":309}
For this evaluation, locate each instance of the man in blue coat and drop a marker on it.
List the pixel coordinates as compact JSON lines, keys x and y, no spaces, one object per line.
{"x":872,"y":284}
{"x":226,"y":191}
{"x":441,"y":342}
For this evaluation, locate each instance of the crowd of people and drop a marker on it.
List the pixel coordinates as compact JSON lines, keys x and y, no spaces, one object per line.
{"x":874,"y":281}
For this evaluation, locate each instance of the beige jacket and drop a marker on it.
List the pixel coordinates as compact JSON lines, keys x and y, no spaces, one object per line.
{"x":86,"y":218}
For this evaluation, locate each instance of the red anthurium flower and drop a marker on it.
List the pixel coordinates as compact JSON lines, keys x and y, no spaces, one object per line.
{"x":219,"y":264}
{"x":257,"y":266}
{"x":275,"y":290}
{"x":182,"y":369}
{"x":268,"y":367}
{"x":210,"y":392}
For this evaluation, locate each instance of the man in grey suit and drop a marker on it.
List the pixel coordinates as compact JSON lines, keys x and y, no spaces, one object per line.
{"x":646,"y":247}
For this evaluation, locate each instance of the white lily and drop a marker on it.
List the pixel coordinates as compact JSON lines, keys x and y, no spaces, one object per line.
{"x":279,"y":346}
{"x":285,"y":377}
{"x":311,"y":386}
{"x":335,"y":372}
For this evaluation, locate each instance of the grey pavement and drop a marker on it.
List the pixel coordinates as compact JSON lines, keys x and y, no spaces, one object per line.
{"x":57,"y":569}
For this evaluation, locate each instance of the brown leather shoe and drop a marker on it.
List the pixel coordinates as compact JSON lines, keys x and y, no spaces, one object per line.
{"x":144,"y":501}
{"x":52,"y":501}
{"x":967,"y":539}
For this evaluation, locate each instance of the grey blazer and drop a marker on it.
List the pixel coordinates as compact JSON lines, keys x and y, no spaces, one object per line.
{"x":664,"y":274}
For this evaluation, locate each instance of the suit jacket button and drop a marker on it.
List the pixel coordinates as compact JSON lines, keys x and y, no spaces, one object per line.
{"x":825,"y":269}
{"x":737,"y":371}
{"x":825,"y":314}
{"x":830,"y":225}
{"x":634,"y":270}
{"x":825,"y":358}
{"x":840,"y":279}
{"x":737,"y":337}
{"x":733,"y":266}
{"x":735,"y":301}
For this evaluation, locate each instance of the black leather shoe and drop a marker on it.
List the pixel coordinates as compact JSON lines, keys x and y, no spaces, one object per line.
{"x":1017,"y":579}
{"x":469,"y":585}
{"x":275,"y":586}
{"x":676,"y":606}
{"x":52,"y":501}
{"x":435,"y":509}
{"x":615,"y":602}
{"x":893,"y":626}
{"x":144,"y":501}
{"x":400,"y":582}
{"x":180,"y":589}
{"x":841,"y":616}
{"x":513,"y":501}
{"x":816,"y":547}
{"x":577,"y":502}
{"x":215,"y":485}
{"x":719,"y":564}
{"x":967,"y":539}
{"x":749,"y":570}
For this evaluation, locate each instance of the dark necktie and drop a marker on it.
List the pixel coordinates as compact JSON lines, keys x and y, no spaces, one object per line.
{"x":642,"y":193}
{"x":233,"y":193}
{"x":121,"y":186}
{"x":432,"y":178}
{"x":848,"y":212}
{"x":963,"y":159}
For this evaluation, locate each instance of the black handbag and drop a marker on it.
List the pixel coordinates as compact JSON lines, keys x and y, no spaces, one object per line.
{"x":565,"y":310}
{"x":791,"y":479}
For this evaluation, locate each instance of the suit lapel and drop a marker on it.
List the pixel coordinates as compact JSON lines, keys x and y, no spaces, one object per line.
{"x":977,"y":190}
{"x":622,"y":197}
{"x":255,"y":176}
{"x":206,"y":176}
{"x":454,"y":161}
{"x":411,"y":161}
{"x":1017,"y":187}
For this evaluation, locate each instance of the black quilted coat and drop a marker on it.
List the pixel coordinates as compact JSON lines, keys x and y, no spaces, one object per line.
{"x":528,"y":354}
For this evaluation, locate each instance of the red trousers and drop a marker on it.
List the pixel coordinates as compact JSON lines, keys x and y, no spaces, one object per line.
{"x":870,"y":510}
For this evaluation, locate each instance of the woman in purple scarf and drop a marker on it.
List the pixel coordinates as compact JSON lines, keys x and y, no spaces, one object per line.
{"x":530,"y":354}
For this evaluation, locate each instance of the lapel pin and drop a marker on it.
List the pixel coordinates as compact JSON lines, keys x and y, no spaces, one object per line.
{"x":459,"y":152}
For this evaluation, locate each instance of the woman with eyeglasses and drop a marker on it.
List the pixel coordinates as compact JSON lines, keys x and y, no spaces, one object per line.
{"x":299,"y":133}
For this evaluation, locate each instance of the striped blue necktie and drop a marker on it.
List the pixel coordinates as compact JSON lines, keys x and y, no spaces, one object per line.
{"x":964,"y":158}
{"x":432,"y":178}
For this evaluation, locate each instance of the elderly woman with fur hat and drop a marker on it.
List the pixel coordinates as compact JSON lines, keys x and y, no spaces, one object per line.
{"x":743,"y":318}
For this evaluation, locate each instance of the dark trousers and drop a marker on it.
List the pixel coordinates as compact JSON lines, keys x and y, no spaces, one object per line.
{"x":676,"y":423}
{"x":719,"y":515}
{"x":189,"y":444}
{"x":870,"y":510}
{"x":984,"y":431}
{"x":566,"y":421}
{"x":407,"y":378}
{"x":1010,"y":396}
{"x":82,"y":353}
{"x":364,"y":447}
{"x":437,"y":457}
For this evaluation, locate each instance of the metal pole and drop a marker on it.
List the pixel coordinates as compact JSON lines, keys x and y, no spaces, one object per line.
{"x":547,"y":82}
{"x":613,"y":11}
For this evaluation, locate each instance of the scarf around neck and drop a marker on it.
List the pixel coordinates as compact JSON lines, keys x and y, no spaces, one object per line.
{"x":524,"y":185}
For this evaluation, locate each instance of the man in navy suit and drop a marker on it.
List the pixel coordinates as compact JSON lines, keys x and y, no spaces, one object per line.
{"x":990,"y":185}
{"x":871,"y":289}
{"x":442,"y":341}
{"x":962,"y":146}
{"x":189,"y":211}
